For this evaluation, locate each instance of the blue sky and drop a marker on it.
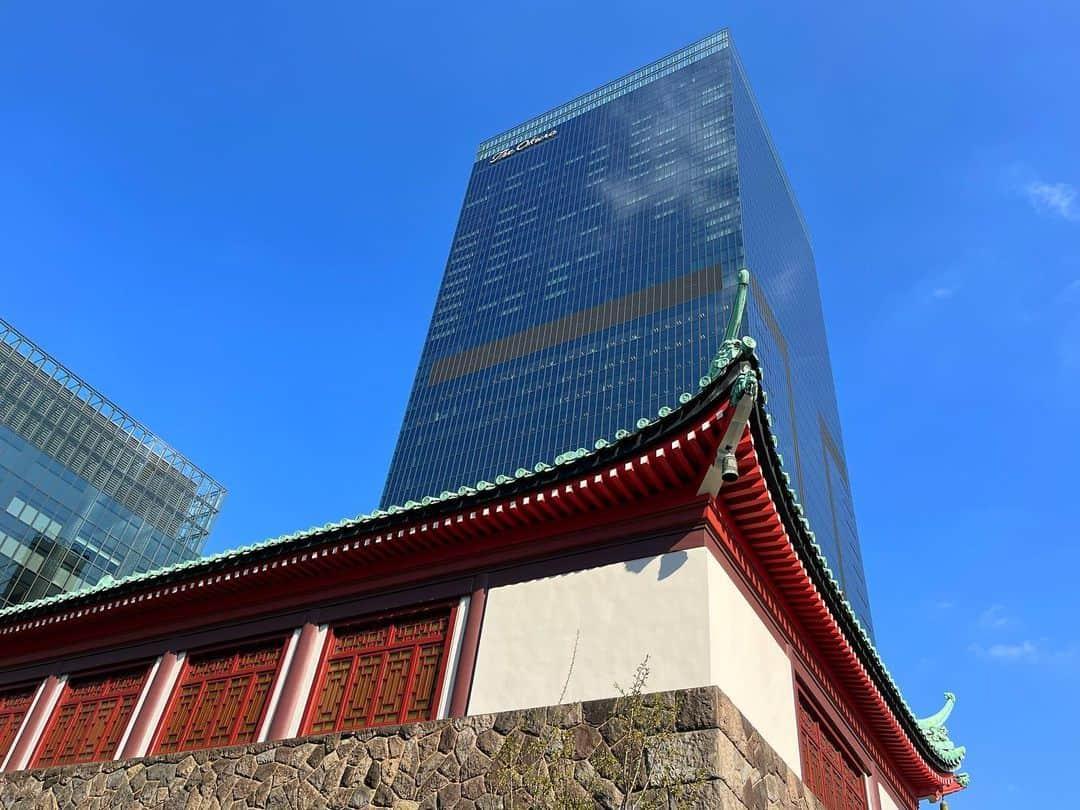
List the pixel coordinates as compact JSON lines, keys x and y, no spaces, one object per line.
{"x":232,"y":219}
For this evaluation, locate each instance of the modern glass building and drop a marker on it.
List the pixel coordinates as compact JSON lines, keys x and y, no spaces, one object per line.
{"x":86,"y":492}
{"x":590,"y":279}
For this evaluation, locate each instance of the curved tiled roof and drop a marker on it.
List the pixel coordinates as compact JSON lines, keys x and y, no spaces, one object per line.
{"x":720,"y":381}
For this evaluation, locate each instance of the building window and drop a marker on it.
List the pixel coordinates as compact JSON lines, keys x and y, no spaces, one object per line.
{"x":827,"y":769}
{"x":13,"y":708}
{"x":90,"y":718}
{"x":221,"y":698}
{"x":381,"y":672}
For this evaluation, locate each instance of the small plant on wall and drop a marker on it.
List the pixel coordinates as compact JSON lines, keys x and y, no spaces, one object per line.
{"x":627,"y":757}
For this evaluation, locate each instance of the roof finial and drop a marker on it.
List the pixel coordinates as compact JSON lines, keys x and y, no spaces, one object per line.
{"x":933,"y":729}
{"x":739,"y":307}
{"x":937,"y":720}
{"x":732,"y":347}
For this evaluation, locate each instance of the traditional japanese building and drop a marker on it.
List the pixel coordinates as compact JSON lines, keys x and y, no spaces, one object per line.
{"x":682,"y":540}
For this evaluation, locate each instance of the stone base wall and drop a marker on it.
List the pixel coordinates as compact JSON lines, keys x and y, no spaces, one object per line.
{"x":707,"y":756}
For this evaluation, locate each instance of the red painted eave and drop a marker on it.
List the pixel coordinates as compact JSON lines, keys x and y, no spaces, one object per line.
{"x":748,"y":506}
{"x":652,"y":488}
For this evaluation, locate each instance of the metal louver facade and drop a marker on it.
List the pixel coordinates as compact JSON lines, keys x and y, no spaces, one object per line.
{"x":85,"y":490}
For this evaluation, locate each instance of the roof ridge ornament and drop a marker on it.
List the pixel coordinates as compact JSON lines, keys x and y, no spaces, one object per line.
{"x":744,"y":392}
{"x":937,"y":720}
{"x":735,"y":321}
{"x":933,"y":729}
{"x":733,"y":347}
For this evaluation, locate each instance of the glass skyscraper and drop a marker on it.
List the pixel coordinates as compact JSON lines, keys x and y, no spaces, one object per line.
{"x":85,"y":491}
{"x":590,"y":279}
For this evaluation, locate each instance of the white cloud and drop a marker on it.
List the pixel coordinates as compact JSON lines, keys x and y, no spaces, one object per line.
{"x":995,"y":618}
{"x":1025,"y":650}
{"x":1012,"y":652}
{"x":1029,"y":651}
{"x":1057,"y":199}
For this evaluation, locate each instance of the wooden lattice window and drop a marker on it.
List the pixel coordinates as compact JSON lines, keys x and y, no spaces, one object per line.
{"x":381,"y":672}
{"x":827,"y":770}
{"x":221,"y":698}
{"x":13,"y":708}
{"x":90,"y":718}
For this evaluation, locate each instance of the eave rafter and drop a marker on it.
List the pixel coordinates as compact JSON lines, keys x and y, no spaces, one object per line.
{"x":797,"y":604}
{"x":628,"y":482}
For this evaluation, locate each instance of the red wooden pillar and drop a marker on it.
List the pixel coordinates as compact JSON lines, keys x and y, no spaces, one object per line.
{"x":296,"y":687}
{"x":147,"y":715}
{"x":470,"y":645}
{"x":22,"y":748}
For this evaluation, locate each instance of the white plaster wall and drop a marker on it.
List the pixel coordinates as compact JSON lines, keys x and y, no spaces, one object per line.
{"x":886,"y":799}
{"x":681,"y":609}
{"x":654,"y":606}
{"x":751,"y":667}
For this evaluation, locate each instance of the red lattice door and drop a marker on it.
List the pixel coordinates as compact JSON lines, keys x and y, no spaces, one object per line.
{"x":380,"y":673}
{"x":90,"y":718}
{"x":827,"y":770}
{"x":221,"y":698}
{"x":13,"y":708}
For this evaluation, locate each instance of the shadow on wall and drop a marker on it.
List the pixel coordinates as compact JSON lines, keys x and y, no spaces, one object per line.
{"x":669,"y":564}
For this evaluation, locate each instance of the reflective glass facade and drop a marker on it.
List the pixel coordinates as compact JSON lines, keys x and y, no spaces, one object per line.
{"x":590,"y":279}
{"x":85,"y":491}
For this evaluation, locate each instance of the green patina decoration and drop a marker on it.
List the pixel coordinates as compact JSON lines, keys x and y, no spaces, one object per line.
{"x":746,"y":384}
{"x":933,"y":728}
{"x":937,"y":720}
{"x":739,"y":308}
{"x":733,"y":347}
